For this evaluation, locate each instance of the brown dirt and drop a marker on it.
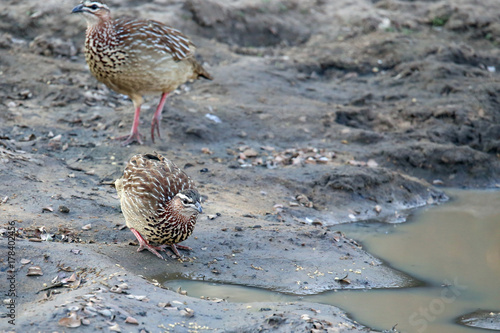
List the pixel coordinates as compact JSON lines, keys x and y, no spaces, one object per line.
{"x":330,"y":112}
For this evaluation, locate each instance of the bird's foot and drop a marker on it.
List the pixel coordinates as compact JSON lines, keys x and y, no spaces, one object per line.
{"x":144,"y":245}
{"x":133,"y":137}
{"x":174,"y":248}
{"x":181,"y":247}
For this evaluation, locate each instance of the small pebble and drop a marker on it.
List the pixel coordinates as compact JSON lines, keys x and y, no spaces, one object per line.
{"x":105,"y":313}
{"x":131,"y":320}
{"x":63,"y":209}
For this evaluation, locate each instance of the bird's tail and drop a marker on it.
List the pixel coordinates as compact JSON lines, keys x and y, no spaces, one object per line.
{"x":198,"y":69}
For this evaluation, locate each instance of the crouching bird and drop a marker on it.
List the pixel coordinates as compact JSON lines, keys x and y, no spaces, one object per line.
{"x":159,"y":201}
{"x":135,"y":57}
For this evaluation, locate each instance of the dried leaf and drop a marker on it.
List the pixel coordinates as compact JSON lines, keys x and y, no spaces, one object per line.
{"x":304,"y":200}
{"x":65,"y":268}
{"x":139,"y":297}
{"x":123,"y":286}
{"x":164,"y":305}
{"x":250,"y":152}
{"x":317,"y":222}
{"x":77,"y":284}
{"x":256,"y":268}
{"x":47,"y":237}
{"x":72,"y":321}
{"x":115,"y":328}
{"x":344,"y":279}
{"x":72,"y":278}
{"x":187,"y":312}
{"x":217,"y":300}
{"x":206,"y":150}
{"x":116,"y":290}
{"x":34,"y":271}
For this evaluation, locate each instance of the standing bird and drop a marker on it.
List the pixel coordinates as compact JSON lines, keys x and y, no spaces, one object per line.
{"x":159,"y":201}
{"x":134,"y":57}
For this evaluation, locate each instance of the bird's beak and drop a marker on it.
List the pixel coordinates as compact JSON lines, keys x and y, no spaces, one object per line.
{"x":77,"y":9}
{"x":198,"y":207}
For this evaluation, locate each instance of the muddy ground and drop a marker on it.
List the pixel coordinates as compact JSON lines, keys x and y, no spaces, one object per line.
{"x":326,"y":112}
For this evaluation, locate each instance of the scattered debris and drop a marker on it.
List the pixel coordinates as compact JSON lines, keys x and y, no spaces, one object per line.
{"x":213,"y":118}
{"x":303,"y":200}
{"x":271,"y":158}
{"x":131,"y":320}
{"x":63,"y":209}
{"x":187,"y":312}
{"x":206,"y":150}
{"x":256,"y":268}
{"x":213,"y":216}
{"x":437,"y":182}
{"x":115,"y":328}
{"x":34,"y":271}
{"x":72,"y":321}
{"x":47,"y":209}
{"x":370,"y":163}
{"x":343,"y":280}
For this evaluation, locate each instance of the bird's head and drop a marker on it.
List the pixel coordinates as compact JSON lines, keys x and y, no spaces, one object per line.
{"x":93,"y":11}
{"x":188,"y":202}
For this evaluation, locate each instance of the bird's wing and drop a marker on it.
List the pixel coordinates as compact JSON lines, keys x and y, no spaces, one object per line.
{"x":155,"y":36}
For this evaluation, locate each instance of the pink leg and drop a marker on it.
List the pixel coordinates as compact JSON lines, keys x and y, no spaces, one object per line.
{"x":155,"y":123}
{"x":134,"y":134}
{"x":173,"y":247}
{"x":143,"y":244}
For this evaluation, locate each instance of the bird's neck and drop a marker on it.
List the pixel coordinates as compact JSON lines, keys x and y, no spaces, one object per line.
{"x":101,"y":33}
{"x":100,"y":28}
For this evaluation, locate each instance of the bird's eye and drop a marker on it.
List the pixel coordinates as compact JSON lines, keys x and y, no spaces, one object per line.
{"x":94,"y":7}
{"x":185,"y":201}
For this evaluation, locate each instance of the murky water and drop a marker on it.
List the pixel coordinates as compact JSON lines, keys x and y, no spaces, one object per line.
{"x":453,"y":248}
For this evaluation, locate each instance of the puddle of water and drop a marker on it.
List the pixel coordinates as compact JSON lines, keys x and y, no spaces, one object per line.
{"x":454,"y":248}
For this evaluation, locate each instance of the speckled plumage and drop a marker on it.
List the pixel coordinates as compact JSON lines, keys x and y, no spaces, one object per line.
{"x":135,"y":57}
{"x":159,"y":201}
